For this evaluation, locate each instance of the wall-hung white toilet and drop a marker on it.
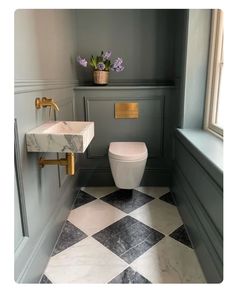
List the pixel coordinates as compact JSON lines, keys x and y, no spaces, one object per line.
{"x":127,"y":161}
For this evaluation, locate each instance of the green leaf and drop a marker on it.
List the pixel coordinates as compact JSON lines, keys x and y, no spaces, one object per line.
{"x":107,"y":64}
{"x":93,"y":62}
{"x":99,"y":59}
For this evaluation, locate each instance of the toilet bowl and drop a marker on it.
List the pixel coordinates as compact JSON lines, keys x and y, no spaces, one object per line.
{"x":127,"y":161}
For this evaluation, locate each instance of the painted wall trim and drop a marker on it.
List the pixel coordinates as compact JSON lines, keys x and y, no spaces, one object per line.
{"x":210,"y":259}
{"x":216,"y":234}
{"x":122,"y":86}
{"x":22,"y":86}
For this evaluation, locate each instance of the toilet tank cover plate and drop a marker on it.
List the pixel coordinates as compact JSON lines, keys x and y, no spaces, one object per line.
{"x":128,"y":151}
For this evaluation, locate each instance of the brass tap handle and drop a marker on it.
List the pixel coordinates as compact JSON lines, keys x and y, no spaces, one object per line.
{"x":46,"y":102}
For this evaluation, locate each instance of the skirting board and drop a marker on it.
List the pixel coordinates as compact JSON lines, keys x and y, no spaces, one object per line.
{"x":36,"y":265}
{"x":103,"y":177}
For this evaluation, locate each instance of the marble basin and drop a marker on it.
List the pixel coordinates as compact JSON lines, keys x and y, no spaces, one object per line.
{"x":60,"y":137}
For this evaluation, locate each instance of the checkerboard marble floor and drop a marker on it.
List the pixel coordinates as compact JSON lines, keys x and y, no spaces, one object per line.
{"x":123,"y":236}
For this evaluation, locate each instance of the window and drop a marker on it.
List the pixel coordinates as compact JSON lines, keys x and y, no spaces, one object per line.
{"x":214,"y":108}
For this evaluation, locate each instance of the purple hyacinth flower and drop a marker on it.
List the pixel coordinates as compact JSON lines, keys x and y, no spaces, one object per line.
{"x":107,"y":55}
{"x":118,"y":62}
{"x":120,"y":68}
{"x":117,"y":65}
{"x":82,"y":61}
{"x":100,"y":66}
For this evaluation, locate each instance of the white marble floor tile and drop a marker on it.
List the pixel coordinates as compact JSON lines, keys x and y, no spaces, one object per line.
{"x":85,"y":262}
{"x":99,"y":191}
{"x":88,"y":261}
{"x":94,"y":216}
{"x":169,"y":261}
{"x":154,"y":191}
{"x":159,"y":215}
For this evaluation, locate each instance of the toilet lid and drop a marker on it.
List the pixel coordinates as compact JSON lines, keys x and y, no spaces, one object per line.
{"x":128,"y":151}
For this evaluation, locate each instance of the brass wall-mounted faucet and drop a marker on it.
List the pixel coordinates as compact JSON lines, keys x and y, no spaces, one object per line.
{"x":46,"y":102}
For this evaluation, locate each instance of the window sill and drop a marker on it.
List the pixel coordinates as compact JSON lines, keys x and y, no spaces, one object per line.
{"x":206,"y":148}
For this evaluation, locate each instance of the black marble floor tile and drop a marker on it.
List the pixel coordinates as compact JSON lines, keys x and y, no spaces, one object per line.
{"x":128,"y":238}
{"x":82,"y":198}
{"x":45,"y":280}
{"x":168,"y":197}
{"x":69,"y":236}
{"x":129,"y":276}
{"x":181,"y":235}
{"x":127,"y":200}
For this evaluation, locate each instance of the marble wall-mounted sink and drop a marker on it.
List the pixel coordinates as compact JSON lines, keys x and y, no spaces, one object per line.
{"x":60,"y":137}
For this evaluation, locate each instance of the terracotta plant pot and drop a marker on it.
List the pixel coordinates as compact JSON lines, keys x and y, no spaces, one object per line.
{"x":101,"y":77}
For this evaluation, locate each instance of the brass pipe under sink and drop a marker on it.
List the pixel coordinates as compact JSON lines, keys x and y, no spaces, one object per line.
{"x":68,"y":161}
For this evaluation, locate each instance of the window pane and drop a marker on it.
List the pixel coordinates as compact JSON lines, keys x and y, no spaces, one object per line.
{"x":221,"y":95}
{"x":215,"y":103}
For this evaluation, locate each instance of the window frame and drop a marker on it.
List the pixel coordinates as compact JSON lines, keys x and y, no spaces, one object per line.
{"x":214,"y":73}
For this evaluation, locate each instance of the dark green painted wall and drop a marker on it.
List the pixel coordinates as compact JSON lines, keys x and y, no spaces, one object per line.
{"x":145,"y":39}
{"x":151,"y":42}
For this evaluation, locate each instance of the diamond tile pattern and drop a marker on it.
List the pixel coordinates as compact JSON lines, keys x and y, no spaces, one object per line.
{"x":127,"y":200}
{"x":69,"y":236}
{"x":168,"y":198}
{"x":45,"y":280}
{"x":159,"y":215}
{"x":123,"y":237}
{"x":128,"y":238}
{"x":82,"y":198}
{"x":94,"y":216}
{"x":85,"y":262}
{"x":181,"y":235}
{"x":129,"y":276}
{"x":153,"y":191}
{"x":99,"y":191}
{"x":169,"y":262}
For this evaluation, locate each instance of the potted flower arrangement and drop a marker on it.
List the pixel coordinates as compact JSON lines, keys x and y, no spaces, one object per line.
{"x":101,"y":66}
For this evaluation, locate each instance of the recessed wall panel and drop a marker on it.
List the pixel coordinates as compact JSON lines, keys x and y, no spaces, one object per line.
{"x":148,"y":127}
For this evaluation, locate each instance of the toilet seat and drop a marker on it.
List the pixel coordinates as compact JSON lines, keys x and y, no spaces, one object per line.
{"x":128,"y":151}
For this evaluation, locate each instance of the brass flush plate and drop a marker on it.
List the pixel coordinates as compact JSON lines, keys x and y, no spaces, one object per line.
{"x":126,"y":110}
